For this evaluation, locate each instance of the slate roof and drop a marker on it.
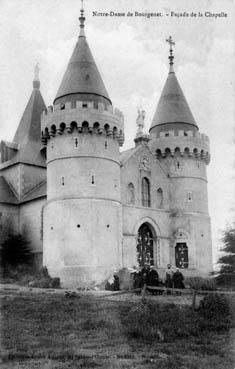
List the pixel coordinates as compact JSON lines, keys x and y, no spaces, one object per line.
{"x":172,"y":106}
{"x":7,"y":196}
{"x":82,"y":75}
{"x":28,"y":133}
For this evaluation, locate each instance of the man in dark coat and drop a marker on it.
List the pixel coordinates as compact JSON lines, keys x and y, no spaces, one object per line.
{"x":145,"y":274}
{"x":135,"y":276}
{"x":178,"y":279}
{"x":116,"y":282}
{"x":168,"y":280}
{"x":153,"y":279}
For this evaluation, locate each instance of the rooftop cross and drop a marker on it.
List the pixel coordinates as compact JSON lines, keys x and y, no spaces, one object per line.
{"x":82,"y":20}
{"x":36,"y":72}
{"x":171,"y":56}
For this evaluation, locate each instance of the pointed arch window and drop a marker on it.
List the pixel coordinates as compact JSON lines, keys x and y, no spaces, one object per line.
{"x":145,"y":192}
{"x":130,"y":194}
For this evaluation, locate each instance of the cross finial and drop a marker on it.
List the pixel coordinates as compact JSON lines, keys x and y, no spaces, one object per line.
{"x":82,"y":20}
{"x":171,"y":56}
{"x":36,"y":72}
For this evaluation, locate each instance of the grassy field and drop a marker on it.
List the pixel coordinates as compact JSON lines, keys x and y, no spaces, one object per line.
{"x":51,"y":331}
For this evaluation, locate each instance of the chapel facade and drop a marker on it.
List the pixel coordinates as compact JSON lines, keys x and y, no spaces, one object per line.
{"x":88,"y":208}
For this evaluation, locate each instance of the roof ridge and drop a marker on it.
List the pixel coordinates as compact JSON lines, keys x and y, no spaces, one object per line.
{"x":38,"y":185}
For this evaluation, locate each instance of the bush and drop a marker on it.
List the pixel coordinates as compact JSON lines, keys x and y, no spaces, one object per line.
{"x":214,"y":311}
{"x":43,"y":280}
{"x":14,"y":251}
{"x":20,"y":274}
{"x":199,"y":283}
{"x":149,"y":321}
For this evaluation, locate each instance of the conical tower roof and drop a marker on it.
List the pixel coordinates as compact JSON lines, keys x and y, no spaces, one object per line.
{"x":82,"y":80}
{"x":28,"y":133}
{"x":172,"y":106}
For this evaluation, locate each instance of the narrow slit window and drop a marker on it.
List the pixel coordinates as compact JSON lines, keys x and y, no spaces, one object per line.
{"x":92,"y":179}
{"x":75,"y":142}
{"x":106,"y":144}
{"x":189,"y":196}
{"x":62,"y":181}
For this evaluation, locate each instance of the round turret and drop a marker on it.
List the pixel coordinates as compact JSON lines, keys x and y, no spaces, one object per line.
{"x":183,"y":152}
{"x":82,"y":218}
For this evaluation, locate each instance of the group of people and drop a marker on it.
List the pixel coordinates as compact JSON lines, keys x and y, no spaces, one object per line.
{"x":149,"y":276}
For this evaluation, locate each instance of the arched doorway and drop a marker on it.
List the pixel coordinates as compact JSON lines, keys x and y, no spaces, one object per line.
{"x":145,"y":245}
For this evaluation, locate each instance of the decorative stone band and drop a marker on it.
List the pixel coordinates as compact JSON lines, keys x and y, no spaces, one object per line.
{"x":87,"y":118}
{"x":186,"y":146}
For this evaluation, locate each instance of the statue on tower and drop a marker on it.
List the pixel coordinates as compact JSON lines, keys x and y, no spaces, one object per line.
{"x":140,"y":122}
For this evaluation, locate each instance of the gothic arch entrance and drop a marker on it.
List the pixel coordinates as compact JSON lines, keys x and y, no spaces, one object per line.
{"x":145,"y":242}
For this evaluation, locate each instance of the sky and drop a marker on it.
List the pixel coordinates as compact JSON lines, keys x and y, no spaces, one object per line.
{"x":132,"y":56}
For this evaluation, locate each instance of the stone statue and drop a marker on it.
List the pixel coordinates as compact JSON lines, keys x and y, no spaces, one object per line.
{"x":140,"y":121}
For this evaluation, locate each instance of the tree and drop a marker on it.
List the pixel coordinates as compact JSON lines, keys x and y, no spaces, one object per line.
{"x":227,"y":262}
{"x":14,"y":251}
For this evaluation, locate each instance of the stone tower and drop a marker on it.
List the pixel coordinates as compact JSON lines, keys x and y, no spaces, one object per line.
{"x":82,"y":132}
{"x":184,"y":153}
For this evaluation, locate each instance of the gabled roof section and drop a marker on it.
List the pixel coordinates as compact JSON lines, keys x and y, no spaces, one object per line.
{"x":82,"y":75}
{"x":28,"y":133}
{"x":127,"y":154}
{"x":172,"y":106}
{"x":7,"y":196}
